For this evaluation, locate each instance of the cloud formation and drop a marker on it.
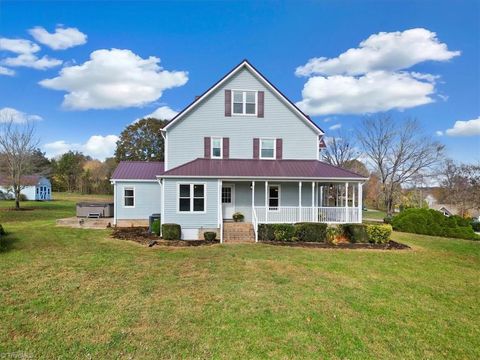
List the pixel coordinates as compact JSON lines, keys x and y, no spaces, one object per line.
{"x":374,"y":76}
{"x":61,"y":39}
{"x":32,"y":61}
{"x":7,"y":72}
{"x":97,"y":146}
{"x":162,"y":113}
{"x":8,"y":114}
{"x":114,"y":78}
{"x":18,"y":46}
{"x":465,"y":128}
{"x":389,"y":51}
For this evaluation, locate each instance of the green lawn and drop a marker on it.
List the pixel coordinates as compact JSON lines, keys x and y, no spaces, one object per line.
{"x":75,"y":293}
{"x":374,"y":214}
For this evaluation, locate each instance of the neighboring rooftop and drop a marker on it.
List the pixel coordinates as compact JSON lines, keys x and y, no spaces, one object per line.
{"x":138,"y":170}
{"x":299,"y":169}
{"x":27,"y":180}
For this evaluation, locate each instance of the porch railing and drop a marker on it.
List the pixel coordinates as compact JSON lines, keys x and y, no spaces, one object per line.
{"x":293,"y":214}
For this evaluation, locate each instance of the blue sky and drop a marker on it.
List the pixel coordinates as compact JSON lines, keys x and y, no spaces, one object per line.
{"x":433,"y":75}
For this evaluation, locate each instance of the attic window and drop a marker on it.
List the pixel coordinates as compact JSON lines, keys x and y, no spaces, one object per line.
{"x":244,"y":102}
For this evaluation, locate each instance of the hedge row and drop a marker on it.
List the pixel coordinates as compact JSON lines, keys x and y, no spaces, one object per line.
{"x":432,"y":222}
{"x":317,"y":232}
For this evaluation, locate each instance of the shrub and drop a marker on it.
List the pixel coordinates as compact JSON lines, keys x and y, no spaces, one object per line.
{"x":432,"y":222}
{"x":311,"y":232}
{"x":388,"y":219}
{"x":475,"y":225}
{"x":355,"y":232}
{"x":379,"y":234}
{"x":332,"y":233}
{"x":2,"y":231}
{"x":266,"y":232}
{"x":238,"y":216}
{"x":284,"y":232}
{"x":171,"y":231}
{"x":156,"y":227}
{"x":210,"y":235}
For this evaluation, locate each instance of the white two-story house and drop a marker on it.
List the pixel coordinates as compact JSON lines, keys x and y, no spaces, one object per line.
{"x":243,"y":147}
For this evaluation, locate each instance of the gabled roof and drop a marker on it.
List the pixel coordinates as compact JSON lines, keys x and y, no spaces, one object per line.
{"x":138,"y":170}
{"x":26,"y":180}
{"x":252,"y":168}
{"x":263,"y":79}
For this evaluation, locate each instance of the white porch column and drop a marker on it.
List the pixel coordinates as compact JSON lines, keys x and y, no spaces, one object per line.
{"x":346,"y":203}
{"x":313,"y":201}
{"x":266,"y":202}
{"x":219,"y":204}
{"x":321,"y":195}
{"x":353,"y":196}
{"x":253,"y":194}
{"x":360,"y":202}
{"x":300,"y":201}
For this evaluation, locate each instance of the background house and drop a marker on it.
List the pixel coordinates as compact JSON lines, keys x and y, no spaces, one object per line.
{"x":37,"y":187}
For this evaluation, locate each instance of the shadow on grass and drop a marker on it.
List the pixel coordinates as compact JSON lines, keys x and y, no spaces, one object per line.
{"x":7,"y":243}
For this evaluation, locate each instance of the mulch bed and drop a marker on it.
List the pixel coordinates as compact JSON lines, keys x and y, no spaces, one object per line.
{"x":391,"y":245}
{"x":142,"y":236}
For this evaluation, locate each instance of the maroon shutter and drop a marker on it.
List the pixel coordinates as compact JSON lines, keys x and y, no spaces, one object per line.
{"x":261,"y":104}
{"x":206,"y":147}
{"x":279,"y":149}
{"x":226,"y":148}
{"x":256,"y":146}
{"x":228,"y":102}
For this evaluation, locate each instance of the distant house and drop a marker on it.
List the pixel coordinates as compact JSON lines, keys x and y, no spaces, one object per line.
{"x":36,"y":187}
{"x":449,"y":210}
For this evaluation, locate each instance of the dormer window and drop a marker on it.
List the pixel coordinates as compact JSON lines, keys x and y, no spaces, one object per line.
{"x":217,"y":147}
{"x":267,"y":149}
{"x":244,"y":102}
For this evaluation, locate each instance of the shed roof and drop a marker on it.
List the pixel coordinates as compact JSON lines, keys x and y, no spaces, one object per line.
{"x":298,"y":169}
{"x":138,"y":170}
{"x":26,"y":180}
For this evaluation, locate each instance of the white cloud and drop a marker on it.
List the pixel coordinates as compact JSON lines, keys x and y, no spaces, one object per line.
{"x":32,"y":61}
{"x":114,"y":79}
{"x":439,"y":133}
{"x":390,"y":51}
{"x":465,"y":128}
{"x":6,"y":71}
{"x":162,"y":113}
{"x":97,"y":146}
{"x":335,"y":127}
{"x":62,"y":38}
{"x":18,"y":46}
{"x":10,"y":114}
{"x":373,"y":92}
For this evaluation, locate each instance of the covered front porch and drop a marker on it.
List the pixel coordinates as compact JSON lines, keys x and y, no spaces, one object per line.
{"x":273,"y":201}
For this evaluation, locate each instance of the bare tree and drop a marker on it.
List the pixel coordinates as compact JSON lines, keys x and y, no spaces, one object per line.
{"x":17,"y":147}
{"x":399,"y":151}
{"x":340,"y":149}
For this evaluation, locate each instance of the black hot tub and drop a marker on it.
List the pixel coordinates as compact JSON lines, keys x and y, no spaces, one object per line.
{"x":94,"y":209}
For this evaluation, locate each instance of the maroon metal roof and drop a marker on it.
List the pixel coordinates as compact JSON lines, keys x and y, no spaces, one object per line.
{"x":138,"y":170}
{"x":261,"y":168}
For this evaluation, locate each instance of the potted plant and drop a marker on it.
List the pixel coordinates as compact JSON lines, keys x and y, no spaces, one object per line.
{"x":238,"y":217}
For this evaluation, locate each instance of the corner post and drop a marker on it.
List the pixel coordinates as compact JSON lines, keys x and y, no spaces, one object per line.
{"x":313,"y":201}
{"x":266,"y":201}
{"x":360,"y":202}
{"x":299,"y":201}
{"x":347,"y":218}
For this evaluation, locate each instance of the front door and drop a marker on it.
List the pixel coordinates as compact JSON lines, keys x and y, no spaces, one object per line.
{"x":228,"y":201}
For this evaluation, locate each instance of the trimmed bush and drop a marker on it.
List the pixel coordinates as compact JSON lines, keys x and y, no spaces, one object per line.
{"x":266,"y":232}
{"x":355,"y":233}
{"x":388,"y":219}
{"x":432,"y":222}
{"x":171,"y":231}
{"x":210,"y":235}
{"x":311,"y":232}
{"x":379,"y":234}
{"x":284,"y":232}
{"x":156,"y":227}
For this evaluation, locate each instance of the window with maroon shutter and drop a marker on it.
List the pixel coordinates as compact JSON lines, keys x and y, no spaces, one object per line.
{"x":206,"y":147}
{"x":279,"y":149}
{"x":256,"y":147}
{"x":261,"y":104}
{"x":226,"y":147}
{"x":228,"y":102}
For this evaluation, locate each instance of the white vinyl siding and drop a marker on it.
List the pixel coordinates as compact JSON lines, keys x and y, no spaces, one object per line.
{"x":147,"y":200}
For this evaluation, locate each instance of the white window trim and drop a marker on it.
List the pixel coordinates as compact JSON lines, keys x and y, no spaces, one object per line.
{"x":192,"y":198}
{"x":279,"y":197}
{"x":123,"y":197}
{"x":274,"y":149}
{"x":244,"y":102}
{"x":221,"y":147}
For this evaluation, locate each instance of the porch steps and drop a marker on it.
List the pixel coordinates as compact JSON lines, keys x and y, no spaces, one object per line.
{"x":236,"y":232}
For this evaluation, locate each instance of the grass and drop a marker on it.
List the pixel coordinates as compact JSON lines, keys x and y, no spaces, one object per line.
{"x":374,"y":214}
{"x":76,"y":293}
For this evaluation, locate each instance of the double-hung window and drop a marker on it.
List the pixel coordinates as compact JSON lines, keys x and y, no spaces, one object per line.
{"x":273,"y":197}
{"x":128,"y":197}
{"x":217,"y":148}
{"x":191,"y":198}
{"x":267,"y":149}
{"x":244,"y":102}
